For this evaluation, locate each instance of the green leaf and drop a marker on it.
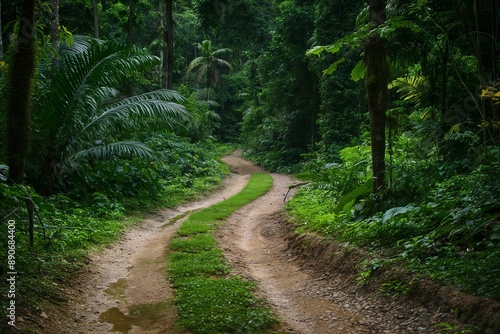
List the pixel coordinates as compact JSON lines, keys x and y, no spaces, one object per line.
{"x":333,"y":48}
{"x":411,"y":88}
{"x":333,"y":67}
{"x":47,"y":207}
{"x":358,"y":72}
{"x":397,"y":211}
{"x":455,"y":128}
{"x":352,"y":196}
{"x":317,"y":50}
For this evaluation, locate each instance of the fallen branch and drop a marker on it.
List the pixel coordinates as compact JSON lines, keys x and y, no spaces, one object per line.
{"x":292,"y":187}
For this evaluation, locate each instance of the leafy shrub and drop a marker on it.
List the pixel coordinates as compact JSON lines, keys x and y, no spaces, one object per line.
{"x":183,"y":169}
{"x":92,"y":212}
{"x":442,"y":225}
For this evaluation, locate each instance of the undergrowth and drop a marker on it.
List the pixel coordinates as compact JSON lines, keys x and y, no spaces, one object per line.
{"x":209,"y":300}
{"x":419,"y":235}
{"x":70,"y":225}
{"x":445,"y":227}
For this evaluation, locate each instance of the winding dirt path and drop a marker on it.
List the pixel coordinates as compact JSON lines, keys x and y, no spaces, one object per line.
{"x":255,"y":248}
{"x":126,"y":290}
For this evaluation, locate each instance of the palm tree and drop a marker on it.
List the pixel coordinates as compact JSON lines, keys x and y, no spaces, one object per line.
{"x":81,"y":116}
{"x":208,"y":66}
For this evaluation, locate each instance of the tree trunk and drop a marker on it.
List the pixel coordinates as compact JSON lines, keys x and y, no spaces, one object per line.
{"x":54,"y":23}
{"x":170,"y":45}
{"x":96,"y":18}
{"x":209,"y":80}
{"x":1,"y":32}
{"x":21,"y":74}
{"x":130,"y":21}
{"x":162,"y":11}
{"x":444,"y":78}
{"x":377,"y":93}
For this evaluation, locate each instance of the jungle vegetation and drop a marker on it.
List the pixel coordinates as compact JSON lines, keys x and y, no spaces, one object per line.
{"x":388,"y":109}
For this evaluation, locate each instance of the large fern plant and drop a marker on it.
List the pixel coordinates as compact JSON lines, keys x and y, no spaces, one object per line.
{"x":80,"y":115}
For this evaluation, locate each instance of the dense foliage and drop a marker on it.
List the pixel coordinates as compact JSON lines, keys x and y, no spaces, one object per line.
{"x":101,"y":204}
{"x":106,"y":143}
{"x":440,"y":212}
{"x":290,"y":81}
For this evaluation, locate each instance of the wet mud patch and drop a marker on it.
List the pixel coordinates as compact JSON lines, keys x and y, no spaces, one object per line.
{"x":117,"y":290}
{"x":144,"y":316}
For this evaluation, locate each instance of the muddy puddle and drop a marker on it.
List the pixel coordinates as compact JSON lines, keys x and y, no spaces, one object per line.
{"x":143,"y":316}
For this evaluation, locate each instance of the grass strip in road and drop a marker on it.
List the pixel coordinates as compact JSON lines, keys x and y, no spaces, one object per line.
{"x":208,"y":300}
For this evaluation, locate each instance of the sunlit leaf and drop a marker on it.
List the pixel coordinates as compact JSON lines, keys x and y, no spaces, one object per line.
{"x":333,"y":67}
{"x":358,"y":72}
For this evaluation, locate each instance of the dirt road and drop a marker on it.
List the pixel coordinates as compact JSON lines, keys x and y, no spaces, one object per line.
{"x":126,"y":290}
{"x":307,"y":301}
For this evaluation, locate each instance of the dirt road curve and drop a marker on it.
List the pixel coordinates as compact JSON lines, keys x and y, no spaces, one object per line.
{"x":126,"y":290}
{"x":306,"y":301}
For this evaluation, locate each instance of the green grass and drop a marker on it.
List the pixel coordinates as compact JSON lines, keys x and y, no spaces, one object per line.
{"x":194,"y":227}
{"x":74,"y":227}
{"x":194,"y":244}
{"x":208,"y":301}
{"x":211,"y":305}
{"x":203,"y":263}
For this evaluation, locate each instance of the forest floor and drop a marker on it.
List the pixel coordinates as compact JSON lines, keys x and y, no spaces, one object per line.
{"x":125,"y":290}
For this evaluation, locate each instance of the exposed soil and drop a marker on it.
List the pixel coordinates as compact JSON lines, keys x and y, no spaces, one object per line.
{"x":310,"y":283}
{"x":125,"y":289}
{"x":257,"y":243}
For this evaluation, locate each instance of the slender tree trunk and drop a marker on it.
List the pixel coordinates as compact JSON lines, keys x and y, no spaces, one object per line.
{"x":96,"y":18}
{"x":494,"y":38}
{"x":170,"y":44}
{"x":495,"y":55}
{"x":21,"y":74}
{"x":377,"y":93}
{"x":444,"y":78}
{"x":162,"y":11}
{"x":54,"y":24}
{"x":130,"y":21}
{"x":1,"y":32}
{"x":209,"y":80}
{"x":161,"y":29}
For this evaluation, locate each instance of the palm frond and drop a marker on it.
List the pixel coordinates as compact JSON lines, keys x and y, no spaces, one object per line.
{"x":78,"y":107}
{"x":133,"y":113}
{"x":207,"y":65}
{"x":221,"y":51}
{"x":109,"y":151}
{"x":194,"y":64}
{"x":201,"y":73}
{"x":410,"y":88}
{"x":223,"y":63}
{"x":83,"y":80}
